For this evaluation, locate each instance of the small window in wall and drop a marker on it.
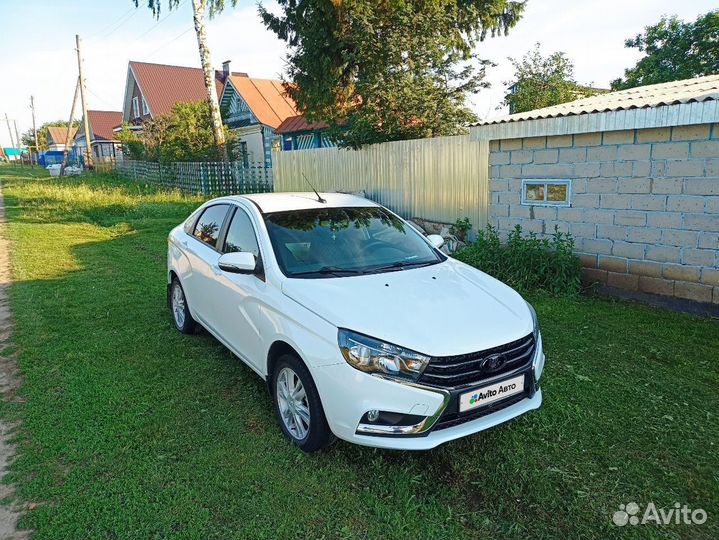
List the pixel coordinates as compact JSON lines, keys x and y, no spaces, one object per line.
{"x":546,"y":192}
{"x":135,"y":107}
{"x":145,"y":108}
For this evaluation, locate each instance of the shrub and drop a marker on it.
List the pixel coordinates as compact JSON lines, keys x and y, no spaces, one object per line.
{"x":527,"y":263}
{"x":460,"y":228}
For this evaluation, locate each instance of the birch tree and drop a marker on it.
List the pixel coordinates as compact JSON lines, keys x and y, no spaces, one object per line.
{"x":199,"y":9}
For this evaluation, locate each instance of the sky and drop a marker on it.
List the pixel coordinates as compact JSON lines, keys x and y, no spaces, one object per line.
{"x":37,"y":40}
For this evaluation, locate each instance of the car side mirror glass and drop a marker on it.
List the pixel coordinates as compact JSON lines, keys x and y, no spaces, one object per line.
{"x":238,"y":262}
{"x":436,"y":240}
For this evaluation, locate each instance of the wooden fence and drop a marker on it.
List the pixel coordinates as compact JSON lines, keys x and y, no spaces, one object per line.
{"x":441,"y":179}
{"x":207,"y":178}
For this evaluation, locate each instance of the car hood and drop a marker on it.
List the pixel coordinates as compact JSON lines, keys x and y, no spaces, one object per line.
{"x":440,"y":310}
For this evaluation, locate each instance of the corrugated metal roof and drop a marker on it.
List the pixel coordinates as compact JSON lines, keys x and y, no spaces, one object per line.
{"x":685,"y":91}
{"x":102,"y":124}
{"x":297,"y":124}
{"x":163,"y":85}
{"x":266,"y":98}
{"x":58,"y":134}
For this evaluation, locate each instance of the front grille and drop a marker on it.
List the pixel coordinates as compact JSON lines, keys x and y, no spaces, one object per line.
{"x":468,"y":369}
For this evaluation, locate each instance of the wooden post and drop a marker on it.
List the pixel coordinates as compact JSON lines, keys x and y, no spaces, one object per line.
{"x":69,"y":127}
{"x":83,"y":100}
{"x":34,"y":130}
{"x":19,"y":144}
{"x":9,"y":130}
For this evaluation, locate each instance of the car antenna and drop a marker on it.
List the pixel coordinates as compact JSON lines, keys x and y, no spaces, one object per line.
{"x":320,"y":199}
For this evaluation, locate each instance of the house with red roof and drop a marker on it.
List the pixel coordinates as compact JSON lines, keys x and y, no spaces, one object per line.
{"x":151,"y":90}
{"x":297,"y":133}
{"x":102,"y":135}
{"x":59,"y":138}
{"x":254,"y":109}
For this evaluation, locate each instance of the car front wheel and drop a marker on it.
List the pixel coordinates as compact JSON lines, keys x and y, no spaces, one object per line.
{"x":298,"y":405}
{"x":180,"y":310}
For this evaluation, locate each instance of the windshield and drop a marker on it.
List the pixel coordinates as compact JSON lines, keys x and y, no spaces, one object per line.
{"x":331,"y":242}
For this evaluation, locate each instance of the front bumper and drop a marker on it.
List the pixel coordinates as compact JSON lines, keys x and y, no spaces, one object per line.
{"x":347,"y":394}
{"x":436,"y":437}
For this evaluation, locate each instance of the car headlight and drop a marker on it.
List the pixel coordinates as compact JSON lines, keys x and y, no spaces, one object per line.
{"x":538,"y":362}
{"x":374,"y":356}
{"x":535,"y":321}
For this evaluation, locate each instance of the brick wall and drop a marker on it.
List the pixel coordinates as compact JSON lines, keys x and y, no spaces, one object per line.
{"x":644,"y":206}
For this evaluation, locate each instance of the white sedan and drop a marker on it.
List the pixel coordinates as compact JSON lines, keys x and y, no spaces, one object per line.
{"x":361,"y":327}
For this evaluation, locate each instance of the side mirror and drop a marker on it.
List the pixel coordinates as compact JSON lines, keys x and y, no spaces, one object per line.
{"x":436,"y":240}
{"x":239,"y":262}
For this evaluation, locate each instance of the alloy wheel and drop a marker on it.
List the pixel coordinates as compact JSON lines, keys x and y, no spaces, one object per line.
{"x":178,"y":305}
{"x":293,"y":404}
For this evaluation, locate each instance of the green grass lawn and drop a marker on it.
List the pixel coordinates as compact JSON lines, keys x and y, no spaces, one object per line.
{"x":132,"y":430}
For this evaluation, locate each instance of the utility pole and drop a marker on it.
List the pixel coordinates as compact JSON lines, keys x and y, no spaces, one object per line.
{"x":34,"y":129}
{"x":17,"y":138}
{"x":83,"y":99}
{"x":9,"y":130}
{"x":69,"y":127}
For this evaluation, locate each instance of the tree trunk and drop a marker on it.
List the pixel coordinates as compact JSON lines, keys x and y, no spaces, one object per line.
{"x":198,"y":8}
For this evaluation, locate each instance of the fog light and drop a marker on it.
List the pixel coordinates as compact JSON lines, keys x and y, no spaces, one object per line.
{"x":373,"y":415}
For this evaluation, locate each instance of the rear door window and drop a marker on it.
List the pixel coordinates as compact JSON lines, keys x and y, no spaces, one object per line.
{"x":210,"y":224}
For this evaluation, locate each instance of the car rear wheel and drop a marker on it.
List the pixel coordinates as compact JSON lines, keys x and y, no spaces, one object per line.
{"x":298,"y":406}
{"x":180,"y":310}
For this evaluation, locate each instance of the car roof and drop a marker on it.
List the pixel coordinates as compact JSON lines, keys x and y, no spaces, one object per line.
{"x":283,"y":202}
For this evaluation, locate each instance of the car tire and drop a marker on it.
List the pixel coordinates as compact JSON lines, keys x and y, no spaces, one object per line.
{"x":303,"y":408}
{"x":180,"y":309}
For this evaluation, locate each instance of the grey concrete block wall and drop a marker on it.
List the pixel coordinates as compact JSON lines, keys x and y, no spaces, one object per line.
{"x":644,"y":207}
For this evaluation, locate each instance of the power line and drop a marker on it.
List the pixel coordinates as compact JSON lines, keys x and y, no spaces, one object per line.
{"x":116,"y":23}
{"x":168,"y":43}
{"x":158,"y":23}
{"x":119,"y":25}
{"x":100,"y":98}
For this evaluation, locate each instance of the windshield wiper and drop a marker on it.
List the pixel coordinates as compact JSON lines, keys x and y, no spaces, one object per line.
{"x":399,"y":265}
{"x":330,"y":270}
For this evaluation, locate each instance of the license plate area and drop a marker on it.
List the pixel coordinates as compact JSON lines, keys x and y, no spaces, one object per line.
{"x":484,"y":395}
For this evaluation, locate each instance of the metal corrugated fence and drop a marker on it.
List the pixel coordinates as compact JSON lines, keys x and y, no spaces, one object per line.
{"x":441,"y":179}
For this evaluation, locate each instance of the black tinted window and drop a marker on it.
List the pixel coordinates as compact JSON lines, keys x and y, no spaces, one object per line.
{"x":345,"y":241}
{"x":241,"y":235}
{"x":190,"y":222}
{"x":210,"y":222}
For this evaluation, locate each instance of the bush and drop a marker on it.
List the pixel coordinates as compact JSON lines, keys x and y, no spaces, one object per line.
{"x":527,"y":263}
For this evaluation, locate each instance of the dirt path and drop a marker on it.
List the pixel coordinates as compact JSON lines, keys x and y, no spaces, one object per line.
{"x":8,"y":384}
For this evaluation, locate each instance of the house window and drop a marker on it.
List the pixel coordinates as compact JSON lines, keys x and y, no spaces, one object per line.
{"x":546,"y":192}
{"x":135,"y":107}
{"x":145,"y":108}
{"x":244,"y":154}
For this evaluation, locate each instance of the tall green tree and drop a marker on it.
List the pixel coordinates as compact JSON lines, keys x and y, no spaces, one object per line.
{"x":674,"y":50}
{"x":385,"y":70}
{"x":199,"y":8}
{"x":542,"y":81}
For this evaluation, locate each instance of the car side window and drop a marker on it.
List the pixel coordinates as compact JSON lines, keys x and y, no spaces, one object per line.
{"x":210,"y":223}
{"x":241,"y":235}
{"x":190,"y":222}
